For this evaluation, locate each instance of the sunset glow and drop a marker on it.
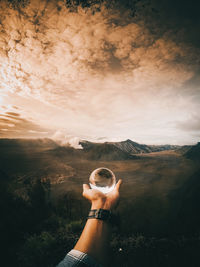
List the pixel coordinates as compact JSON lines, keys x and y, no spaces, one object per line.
{"x":96,"y":75}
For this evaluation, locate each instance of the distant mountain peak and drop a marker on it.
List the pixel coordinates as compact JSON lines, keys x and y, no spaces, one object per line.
{"x":128,"y":146}
{"x":194,"y":152}
{"x":129,"y":140}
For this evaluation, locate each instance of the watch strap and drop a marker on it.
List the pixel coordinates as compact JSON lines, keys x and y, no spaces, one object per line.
{"x":100,"y":214}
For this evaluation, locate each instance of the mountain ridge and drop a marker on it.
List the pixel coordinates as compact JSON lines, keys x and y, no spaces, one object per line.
{"x":104,"y":151}
{"x":194,"y":152}
{"x":123,"y":150}
{"x":130,"y":146}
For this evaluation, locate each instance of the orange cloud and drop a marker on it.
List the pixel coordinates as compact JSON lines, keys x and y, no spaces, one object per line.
{"x":101,"y":74}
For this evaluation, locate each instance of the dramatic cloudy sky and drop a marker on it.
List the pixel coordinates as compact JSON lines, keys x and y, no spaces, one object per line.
{"x":100,"y":70}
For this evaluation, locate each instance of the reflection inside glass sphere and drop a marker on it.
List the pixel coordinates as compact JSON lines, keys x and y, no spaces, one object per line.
{"x":103,"y":180}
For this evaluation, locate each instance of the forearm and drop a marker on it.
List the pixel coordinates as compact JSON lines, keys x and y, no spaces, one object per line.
{"x":94,"y":239}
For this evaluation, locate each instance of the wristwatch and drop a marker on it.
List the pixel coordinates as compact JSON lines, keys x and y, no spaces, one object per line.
{"x":105,"y":215}
{"x":100,"y":214}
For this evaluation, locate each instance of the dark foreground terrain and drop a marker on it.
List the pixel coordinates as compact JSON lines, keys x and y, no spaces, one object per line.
{"x":42,"y":210}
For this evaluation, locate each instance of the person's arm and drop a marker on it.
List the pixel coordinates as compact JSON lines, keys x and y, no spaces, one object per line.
{"x":94,"y":239}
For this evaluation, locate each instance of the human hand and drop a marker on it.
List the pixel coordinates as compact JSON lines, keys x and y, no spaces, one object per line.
{"x":100,"y":200}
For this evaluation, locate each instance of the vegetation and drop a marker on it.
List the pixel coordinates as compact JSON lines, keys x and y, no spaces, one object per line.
{"x":42,"y":215}
{"x":35,"y":232}
{"x":38,"y":231}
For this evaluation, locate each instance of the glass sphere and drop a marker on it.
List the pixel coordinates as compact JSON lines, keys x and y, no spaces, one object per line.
{"x":103,"y":180}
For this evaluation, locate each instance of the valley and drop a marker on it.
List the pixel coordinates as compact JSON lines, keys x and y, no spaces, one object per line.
{"x":41,"y":184}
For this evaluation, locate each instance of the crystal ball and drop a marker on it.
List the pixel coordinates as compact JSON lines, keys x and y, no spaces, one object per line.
{"x":103,"y":180}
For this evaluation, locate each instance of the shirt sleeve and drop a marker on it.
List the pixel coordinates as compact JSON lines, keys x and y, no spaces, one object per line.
{"x":76,"y":258}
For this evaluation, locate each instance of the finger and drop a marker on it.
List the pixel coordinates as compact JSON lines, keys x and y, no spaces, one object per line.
{"x":117,"y":187}
{"x":85,"y":187}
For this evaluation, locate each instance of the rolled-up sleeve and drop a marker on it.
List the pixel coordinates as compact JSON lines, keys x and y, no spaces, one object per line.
{"x":77,"y":258}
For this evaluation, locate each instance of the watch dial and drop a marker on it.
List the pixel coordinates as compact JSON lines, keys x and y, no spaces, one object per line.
{"x":103,"y":180}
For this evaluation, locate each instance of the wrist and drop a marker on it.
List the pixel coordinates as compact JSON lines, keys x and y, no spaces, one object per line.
{"x":100,"y":204}
{"x":101,"y":214}
{"x":104,"y":215}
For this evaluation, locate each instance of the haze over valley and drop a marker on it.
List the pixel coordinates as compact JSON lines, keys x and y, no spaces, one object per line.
{"x":144,"y":169}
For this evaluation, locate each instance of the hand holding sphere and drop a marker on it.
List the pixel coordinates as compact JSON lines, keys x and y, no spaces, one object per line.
{"x":102,"y":179}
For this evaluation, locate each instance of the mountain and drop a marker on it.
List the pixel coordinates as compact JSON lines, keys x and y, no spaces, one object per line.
{"x":131,"y":147}
{"x":128,"y":146}
{"x":65,"y":152}
{"x":194,"y":152}
{"x":183,"y":149}
{"x":104,"y":151}
{"x":157,"y":148}
{"x":22,"y":149}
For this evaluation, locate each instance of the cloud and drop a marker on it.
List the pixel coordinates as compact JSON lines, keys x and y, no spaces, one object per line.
{"x":65,"y":139}
{"x":191,"y":124}
{"x":13,"y":126}
{"x":13,"y":114}
{"x":105,"y":73}
{"x":49,"y":56}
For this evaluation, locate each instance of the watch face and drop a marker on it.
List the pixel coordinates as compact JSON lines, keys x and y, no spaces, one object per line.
{"x":103,"y":180}
{"x":102,"y":214}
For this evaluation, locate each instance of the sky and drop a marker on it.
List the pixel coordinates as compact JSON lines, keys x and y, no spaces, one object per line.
{"x":100,"y":70}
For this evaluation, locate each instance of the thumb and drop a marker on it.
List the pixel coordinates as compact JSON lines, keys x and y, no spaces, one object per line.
{"x":85,"y":190}
{"x":117,"y":187}
{"x":85,"y":187}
